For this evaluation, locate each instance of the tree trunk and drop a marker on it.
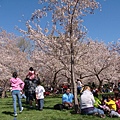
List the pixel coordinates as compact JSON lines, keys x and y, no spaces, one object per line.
{"x":76,"y":105}
{"x":4,"y":89}
{"x":3,"y":94}
{"x":100,"y":82}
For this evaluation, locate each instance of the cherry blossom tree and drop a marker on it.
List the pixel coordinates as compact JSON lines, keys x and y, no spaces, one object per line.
{"x":67,"y":29}
{"x":115,"y":46}
{"x":99,"y":62}
{"x":12,"y":59}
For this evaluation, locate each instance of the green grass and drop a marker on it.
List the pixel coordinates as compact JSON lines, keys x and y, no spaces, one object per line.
{"x":48,"y":113}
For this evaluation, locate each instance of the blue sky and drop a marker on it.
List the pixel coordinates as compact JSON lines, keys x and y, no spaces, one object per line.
{"x":105,"y":25}
{"x":102,"y":25}
{"x":12,"y":11}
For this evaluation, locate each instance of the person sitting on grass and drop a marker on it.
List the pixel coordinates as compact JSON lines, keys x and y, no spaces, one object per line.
{"x":67,"y":99}
{"x":111,"y":102}
{"x":103,"y":106}
{"x":100,"y":103}
{"x":118,"y":103}
{"x":97,"y":100}
{"x":87,"y":104}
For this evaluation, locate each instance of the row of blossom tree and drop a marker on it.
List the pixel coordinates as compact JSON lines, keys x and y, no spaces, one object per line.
{"x":61,"y":51}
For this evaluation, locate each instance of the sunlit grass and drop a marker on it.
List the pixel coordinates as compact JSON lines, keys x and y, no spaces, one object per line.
{"x":48,"y":113}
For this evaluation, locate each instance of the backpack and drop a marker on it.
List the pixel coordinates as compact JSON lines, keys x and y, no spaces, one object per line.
{"x":58,"y":107}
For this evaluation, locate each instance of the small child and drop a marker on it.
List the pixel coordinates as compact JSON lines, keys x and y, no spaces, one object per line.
{"x":112,"y":105}
{"x":103,"y":106}
{"x":31,"y":74}
{"x":40,"y":95}
{"x":100,"y":103}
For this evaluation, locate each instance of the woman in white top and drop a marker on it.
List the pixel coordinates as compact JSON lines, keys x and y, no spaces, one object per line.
{"x":87,"y":103}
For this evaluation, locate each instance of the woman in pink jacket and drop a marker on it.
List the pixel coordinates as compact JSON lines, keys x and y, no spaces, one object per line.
{"x":17,"y":85}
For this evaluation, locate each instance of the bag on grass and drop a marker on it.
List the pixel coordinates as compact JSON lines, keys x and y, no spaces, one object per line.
{"x":58,"y":107}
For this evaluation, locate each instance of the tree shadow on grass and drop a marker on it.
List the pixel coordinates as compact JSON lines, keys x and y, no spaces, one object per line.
{"x":74,"y":112}
{"x":47,"y":107}
{"x":52,"y":108}
{"x":8,"y":113}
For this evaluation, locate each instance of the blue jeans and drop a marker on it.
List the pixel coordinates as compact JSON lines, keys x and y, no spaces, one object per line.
{"x":23,"y":96}
{"x":40,"y":103}
{"x":96,"y":110}
{"x":16,"y":96}
{"x":114,"y":113}
{"x":90,"y":111}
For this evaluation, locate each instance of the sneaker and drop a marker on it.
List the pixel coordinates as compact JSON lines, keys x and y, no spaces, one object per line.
{"x":36,"y":105}
{"x":102,"y":116}
{"x":31,"y":107}
{"x":21,"y":109}
{"x":111,"y":115}
{"x":40,"y":109}
{"x":95,"y":114}
{"x":15,"y":115}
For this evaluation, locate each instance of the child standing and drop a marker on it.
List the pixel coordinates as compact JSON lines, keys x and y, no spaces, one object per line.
{"x":40,"y":95}
{"x":17,"y":85}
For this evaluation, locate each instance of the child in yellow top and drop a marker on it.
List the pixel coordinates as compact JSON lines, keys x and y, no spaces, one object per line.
{"x":112,"y":105}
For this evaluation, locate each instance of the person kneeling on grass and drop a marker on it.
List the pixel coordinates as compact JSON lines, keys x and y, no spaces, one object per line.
{"x":67,"y":99}
{"x":87,"y":104}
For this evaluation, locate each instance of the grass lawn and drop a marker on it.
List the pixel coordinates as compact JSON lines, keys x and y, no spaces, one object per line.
{"x":48,"y":113}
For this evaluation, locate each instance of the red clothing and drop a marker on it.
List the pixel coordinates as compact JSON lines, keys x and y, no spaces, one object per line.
{"x":31,"y":75}
{"x":118,"y":106}
{"x":65,"y":86}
